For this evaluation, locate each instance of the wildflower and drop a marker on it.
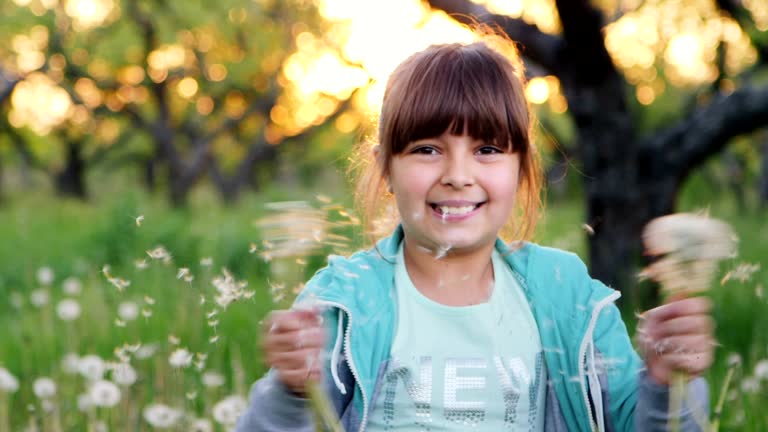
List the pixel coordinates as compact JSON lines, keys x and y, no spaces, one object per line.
{"x":180,"y":358}
{"x":8,"y":382}
{"x":227,"y":411}
{"x":128,"y":311}
{"x":761,"y":370}
{"x":72,"y":286}
{"x":201,"y":425}
{"x":39,"y":297}
{"x":44,"y":388}
{"x":70,"y":363}
{"x":68,"y":310}
{"x":124,"y":374}
{"x":45,"y":276}
{"x":212,"y":379}
{"x":104,"y":394}
{"x":91,"y":367}
{"x":161,"y":416}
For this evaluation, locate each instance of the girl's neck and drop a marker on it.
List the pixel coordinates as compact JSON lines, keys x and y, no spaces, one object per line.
{"x":451,"y":278}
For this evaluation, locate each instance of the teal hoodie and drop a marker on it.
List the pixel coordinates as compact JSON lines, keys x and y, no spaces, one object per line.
{"x":596,"y":380}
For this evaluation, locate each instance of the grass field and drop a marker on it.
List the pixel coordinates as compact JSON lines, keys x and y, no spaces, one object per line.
{"x":127,"y":315}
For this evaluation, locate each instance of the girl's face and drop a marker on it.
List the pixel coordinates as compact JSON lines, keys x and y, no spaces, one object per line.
{"x":454,"y":191}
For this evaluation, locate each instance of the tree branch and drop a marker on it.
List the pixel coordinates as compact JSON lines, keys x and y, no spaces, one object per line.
{"x":685,"y":146}
{"x":743,"y":17}
{"x":539,"y":47}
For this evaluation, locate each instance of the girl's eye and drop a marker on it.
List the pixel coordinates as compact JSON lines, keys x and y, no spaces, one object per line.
{"x":426,"y":150}
{"x":488,"y":150}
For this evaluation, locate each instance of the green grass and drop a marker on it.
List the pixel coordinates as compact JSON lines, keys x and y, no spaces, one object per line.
{"x":77,"y":240}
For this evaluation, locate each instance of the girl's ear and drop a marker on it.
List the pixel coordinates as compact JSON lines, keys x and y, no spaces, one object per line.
{"x":376,"y":150}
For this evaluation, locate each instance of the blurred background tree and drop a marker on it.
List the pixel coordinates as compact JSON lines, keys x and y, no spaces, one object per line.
{"x":633,"y":96}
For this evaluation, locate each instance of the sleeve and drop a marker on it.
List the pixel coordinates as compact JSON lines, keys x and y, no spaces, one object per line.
{"x":633,"y":400}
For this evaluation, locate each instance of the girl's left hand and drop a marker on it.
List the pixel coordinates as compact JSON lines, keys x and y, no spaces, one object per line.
{"x":677,"y":337}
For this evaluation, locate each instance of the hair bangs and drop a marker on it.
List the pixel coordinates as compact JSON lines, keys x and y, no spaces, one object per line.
{"x":460,"y":90}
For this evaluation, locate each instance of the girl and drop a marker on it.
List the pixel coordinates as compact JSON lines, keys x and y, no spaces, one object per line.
{"x":444,"y":326}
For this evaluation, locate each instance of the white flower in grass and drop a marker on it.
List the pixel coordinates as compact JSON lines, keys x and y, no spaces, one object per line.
{"x":8,"y":382}
{"x":44,"y":388}
{"x":761,"y":370}
{"x":104,"y":394}
{"x":72,"y":286}
{"x":39,"y":297}
{"x":180,"y":358}
{"x":68,"y":310}
{"x":124,"y":374}
{"x":128,"y":311}
{"x":161,"y":416}
{"x":91,"y":367}
{"x":146,"y":351}
{"x":213,"y":379}
{"x":70,"y":363}
{"x":201,"y":425}
{"x":227,"y":411}
{"x":45,"y":276}
{"x":750,"y":385}
{"x":84,"y":402}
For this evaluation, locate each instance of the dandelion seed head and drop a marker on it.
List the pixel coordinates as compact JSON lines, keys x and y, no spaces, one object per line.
{"x":733,"y":360}
{"x":212,"y":379}
{"x":104,"y":393}
{"x":44,"y":388}
{"x":146,"y":351}
{"x":201,"y":425}
{"x":45,"y":276}
{"x":128,"y":311}
{"x":761,"y":370}
{"x":70,"y":363}
{"x":72,"y":286}
{"x":227,"y":411}
{"x":84,"y":402}
{"x":68,"y":310}
{"x":124,"y":374}
{"x":180,"y":358}
{"x":161,"y":416}
{"x":8,"y":382}
{"x":39,"y":297}
{"x":91,"y":367}
{"x":750,"y":385}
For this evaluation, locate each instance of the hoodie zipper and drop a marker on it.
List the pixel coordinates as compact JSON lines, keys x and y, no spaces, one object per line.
{"x":350,"y":362}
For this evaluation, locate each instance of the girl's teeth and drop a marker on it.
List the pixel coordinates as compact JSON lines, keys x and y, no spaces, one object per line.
{"x":456,"y":210}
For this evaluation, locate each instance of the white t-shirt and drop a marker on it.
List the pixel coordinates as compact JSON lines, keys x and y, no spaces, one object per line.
{"x":477,"y":367}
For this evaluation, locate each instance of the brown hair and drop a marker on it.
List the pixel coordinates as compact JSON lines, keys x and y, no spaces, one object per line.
{"x":477,"y":86}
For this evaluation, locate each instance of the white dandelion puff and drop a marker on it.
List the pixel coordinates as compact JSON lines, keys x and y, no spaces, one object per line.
{"x":104,"y":394}
{"x":128,"y":311}
{"x":68,"y":310}
{"x":146,"y":351}
{"x":84,"y":402}
{"x":124,"y":374}
{"x":39,"y":297}
{"x":180,"y":358}
{"x":161,"y":416}
{"x":91,"y":367}
{"x":212,"y":379}
{"x":72,"y":286}
{"x":8,"y":382}
{"x":201,"y":425}
{"x":45,"y":276}
{"x":761,"y":370}
{"x":44,"y":388}
{"x":70,"y":363}
{"x":227,"y":411}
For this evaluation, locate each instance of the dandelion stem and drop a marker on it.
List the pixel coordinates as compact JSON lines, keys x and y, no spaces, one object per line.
{"x":4,"y":420}
{"x":721,"y":399}
{"x":324,"y":413}
{"x":676,"y":396}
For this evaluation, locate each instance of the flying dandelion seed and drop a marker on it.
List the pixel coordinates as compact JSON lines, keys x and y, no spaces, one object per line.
{"x":161,"y":415}
{"x":227,"y":411}
{"x":104,"y":394}
{"x":183,"y":272}
{"x":173,"y":339}
{"x":146,"y":313}
{"x":213,"y":339}
{"x":139,"y":220}
{"x":141,"y":264}
{"x":588,"y":229}
{"x":91,"y":367}
{"x":44,"y":388}
{"x":252,"y":248}
{"x":206,"y":262}
{"x":45,"y":276}
{"x":202,"y":299}
{"x":72,"y":286}
{"x":742,"y":273}
{"x":160,"y":253}
{"x":180,"y":358}
{"x":323,"y":198}
{"x":191,"y":395}
{"x":8,"y":382}
{"x":149,"y":300}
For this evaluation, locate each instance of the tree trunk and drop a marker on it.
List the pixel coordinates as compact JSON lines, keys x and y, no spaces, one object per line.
{"x":70,"y":181}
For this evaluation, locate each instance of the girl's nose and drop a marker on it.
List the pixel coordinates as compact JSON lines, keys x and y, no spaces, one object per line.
{"x":457,"y":173}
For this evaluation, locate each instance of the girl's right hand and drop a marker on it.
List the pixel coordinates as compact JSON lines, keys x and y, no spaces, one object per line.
{"x":293,"y":341}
